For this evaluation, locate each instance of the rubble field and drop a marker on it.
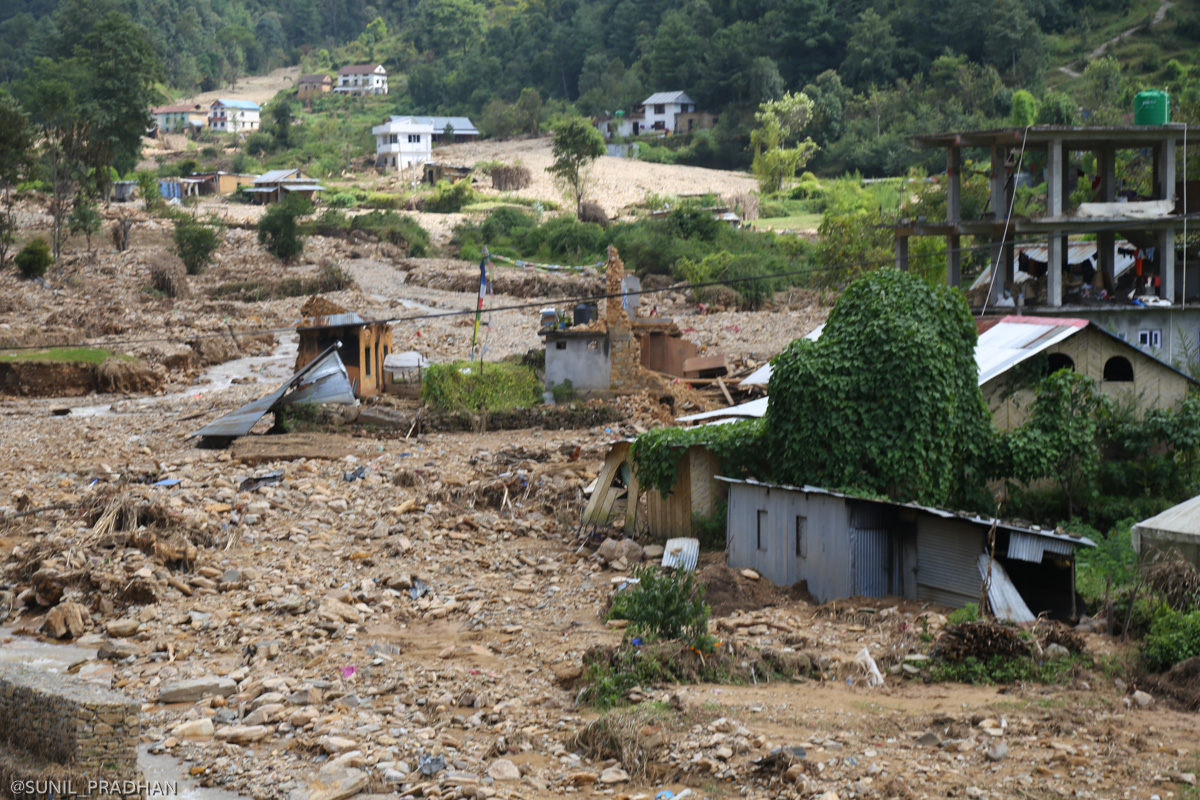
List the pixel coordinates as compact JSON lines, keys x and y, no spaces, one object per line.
{"x":358,"y":613}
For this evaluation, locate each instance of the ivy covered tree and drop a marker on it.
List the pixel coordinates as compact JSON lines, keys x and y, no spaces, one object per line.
{"x":778,"y":152}
{"x":887,"y":400}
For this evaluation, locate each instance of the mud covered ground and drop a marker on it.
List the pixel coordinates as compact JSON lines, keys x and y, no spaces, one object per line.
{"x":438,"y":606}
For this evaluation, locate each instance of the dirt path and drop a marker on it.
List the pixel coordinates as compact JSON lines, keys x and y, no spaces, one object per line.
{"x":259,"y":88}
{"x":1159,"y":15}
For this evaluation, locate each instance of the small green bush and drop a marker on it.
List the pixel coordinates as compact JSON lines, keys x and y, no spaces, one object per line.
{"x":968,"y":613}
{"x":1000,"y":669}
{"x":341,"y":200}
{"x":1174,"y":636}
{"x":279,"y":230}
{"x":449,"y":197}
{"x":34,"y":259}
{"x":466,"y":385}
{"x":666,"y":605}
{"x":195,"y":244}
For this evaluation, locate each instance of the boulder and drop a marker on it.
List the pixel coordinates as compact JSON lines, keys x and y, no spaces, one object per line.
{"x":194,"y":729}
{"x":192,"y":690}
{"x":504,"y":770}
{"x":66,"y":620}
{"x":332,"y":782}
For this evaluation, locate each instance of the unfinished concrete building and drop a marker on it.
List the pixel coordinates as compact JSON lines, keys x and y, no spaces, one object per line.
{"x":1150,"y":223}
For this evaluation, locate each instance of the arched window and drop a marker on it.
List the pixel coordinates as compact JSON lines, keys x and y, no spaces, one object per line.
{"x":1057,"y":361}
{"x":1118,"y":369}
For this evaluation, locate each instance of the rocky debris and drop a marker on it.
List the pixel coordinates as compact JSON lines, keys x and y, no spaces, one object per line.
{"x":619,"y":553}
{"x":503,"y":770}
{"x":191,"y":690}
{"x":194,"y":729}
{"x":1142,"y":699}
{"x":332,"y":782}
{"x":67,"y":620}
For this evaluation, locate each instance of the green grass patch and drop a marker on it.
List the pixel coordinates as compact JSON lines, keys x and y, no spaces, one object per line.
{"x":73,"y":355}
{"x":471,"y":386}
{"x":1002,"y":669}
{"x":796,"y":222}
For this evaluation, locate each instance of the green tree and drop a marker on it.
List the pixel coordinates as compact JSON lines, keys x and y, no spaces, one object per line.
{"x":778,"y":123}
{"x":887,"y":400}
{"x":529,"y":110}
{"x":1024,"y":109}
{"x":121,"y":71}
{"x":16,"y":149}
{"x":1059,"y":440}
{"x":279,"y":229}
{"x":870,"y":52}
{"x":282,"y":116}
{"x":85,"y":218}
{"x":1103,"y":90}
{"x":577,"y":144}
{"x":195,"y":244}
{"x":447,"y":25}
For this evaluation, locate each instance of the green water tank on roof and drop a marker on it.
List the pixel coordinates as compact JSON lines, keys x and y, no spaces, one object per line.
{"x":1152,"y":107}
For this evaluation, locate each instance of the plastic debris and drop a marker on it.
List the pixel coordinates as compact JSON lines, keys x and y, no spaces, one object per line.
{"x":869,"y":668}
{"x":355,"y":475}
{"x":429,"y":765}
{"x":250,"y":484}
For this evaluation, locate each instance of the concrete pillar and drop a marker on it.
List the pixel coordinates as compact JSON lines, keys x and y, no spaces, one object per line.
{"x":1055,"y":259}
{"x":999,"y":182}
{"x":901,"y":253}
{"x":1056,"y":190}
{"x":1164,"y":170}
{"x":1106,"y":254}
{"x":1106,"y":168}
{"x":953,"y":214}
{"x":1165,"y":246}
{"x":953,"y":260}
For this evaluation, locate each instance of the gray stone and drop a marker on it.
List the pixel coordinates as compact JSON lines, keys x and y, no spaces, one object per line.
{"x":997,"y":752}
{"x":614,"y":775}
{"x":929,"y":739}
{"x":122,"y":627}
{"x":504,"y":770}
{"x":332,"y":782}
{"x":191,"y":690}
{"x":1143,"y":699}
{"x":116,"y":650}
{"x":1056,"y":652}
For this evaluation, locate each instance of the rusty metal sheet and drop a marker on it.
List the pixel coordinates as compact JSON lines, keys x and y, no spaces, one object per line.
{"x":323,"y":380}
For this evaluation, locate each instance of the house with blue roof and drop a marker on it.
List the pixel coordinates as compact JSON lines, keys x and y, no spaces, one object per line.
{"x":233,"y":116}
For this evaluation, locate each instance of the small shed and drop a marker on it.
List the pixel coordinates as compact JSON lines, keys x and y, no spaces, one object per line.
{"x":365,"y":347}
{"x":124,"y":191}
{"x":439,"y":170}
{"x":1176,"y":529}
{"x":847,"y":546}
{"x":273,"y":186}
{"x":580,"y":356}
{"x":617,"y":494}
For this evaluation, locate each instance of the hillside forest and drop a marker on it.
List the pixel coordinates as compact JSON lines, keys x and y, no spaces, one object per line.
{"x":878,"y":71}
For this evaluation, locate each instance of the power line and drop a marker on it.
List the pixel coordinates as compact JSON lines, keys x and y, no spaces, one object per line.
{"x":580,"y":299}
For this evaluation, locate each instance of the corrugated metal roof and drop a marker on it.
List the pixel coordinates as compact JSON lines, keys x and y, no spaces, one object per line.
{"x":1014,"y":339}
{"x":1001,"y":347}
{"x":1003,"y":597}
{"x":667,"y":97}
{"x":751,"y":410}
{"x":323,"y":380}
{"x":410,"y":359}
{"x":1077,"y":253}
{"x":1181,"y":520}
{"x":1033,"y":548}
{"x":346,"y":320}
{"x":940,"y":512}
{"x":303,"y":187}
{"x":360,"y":69}
{"x":243,"y":104}
{"x":277,"y":175}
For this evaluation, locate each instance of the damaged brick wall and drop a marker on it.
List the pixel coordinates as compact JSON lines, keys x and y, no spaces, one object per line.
{"x":624,"y":348}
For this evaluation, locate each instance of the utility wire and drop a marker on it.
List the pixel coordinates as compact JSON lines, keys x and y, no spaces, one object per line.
{"x":581,"y":299}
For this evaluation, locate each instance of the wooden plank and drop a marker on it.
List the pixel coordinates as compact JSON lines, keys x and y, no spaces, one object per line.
{"x":724,"y":391}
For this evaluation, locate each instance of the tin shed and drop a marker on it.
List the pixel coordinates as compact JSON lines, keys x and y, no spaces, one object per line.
{"x":846,"y":546}
{"x":1177,"y":528}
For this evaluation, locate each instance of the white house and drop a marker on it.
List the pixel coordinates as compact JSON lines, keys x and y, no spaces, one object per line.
{"x":173,"y":119}
{"x":362,"y":79}
{"x":404,"y":142}
{"x":661,"y":108}
{"x":233,"y":116}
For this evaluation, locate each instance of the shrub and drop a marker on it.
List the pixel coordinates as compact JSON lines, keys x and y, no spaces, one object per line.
{"x":968,"y":613}
{"x":463,"y":385}
{"x":509,"y":178}
{"x":1173,"y":637}
{"x":503,"y":223}
{"x":34,"y":259}
{"x":341,"y":200}
{"x":195,"y":244}
{"x":449,"y":197}
{"x":666,"y":605}
{"x":279,"y":231}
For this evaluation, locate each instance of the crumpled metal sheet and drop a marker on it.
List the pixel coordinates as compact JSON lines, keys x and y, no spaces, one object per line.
{"x":322,"y":380}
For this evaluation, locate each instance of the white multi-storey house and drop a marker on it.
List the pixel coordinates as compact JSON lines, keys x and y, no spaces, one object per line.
{"x":233,"y":116}
{"x":362,"y":79}
{"x":404,"y":142}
